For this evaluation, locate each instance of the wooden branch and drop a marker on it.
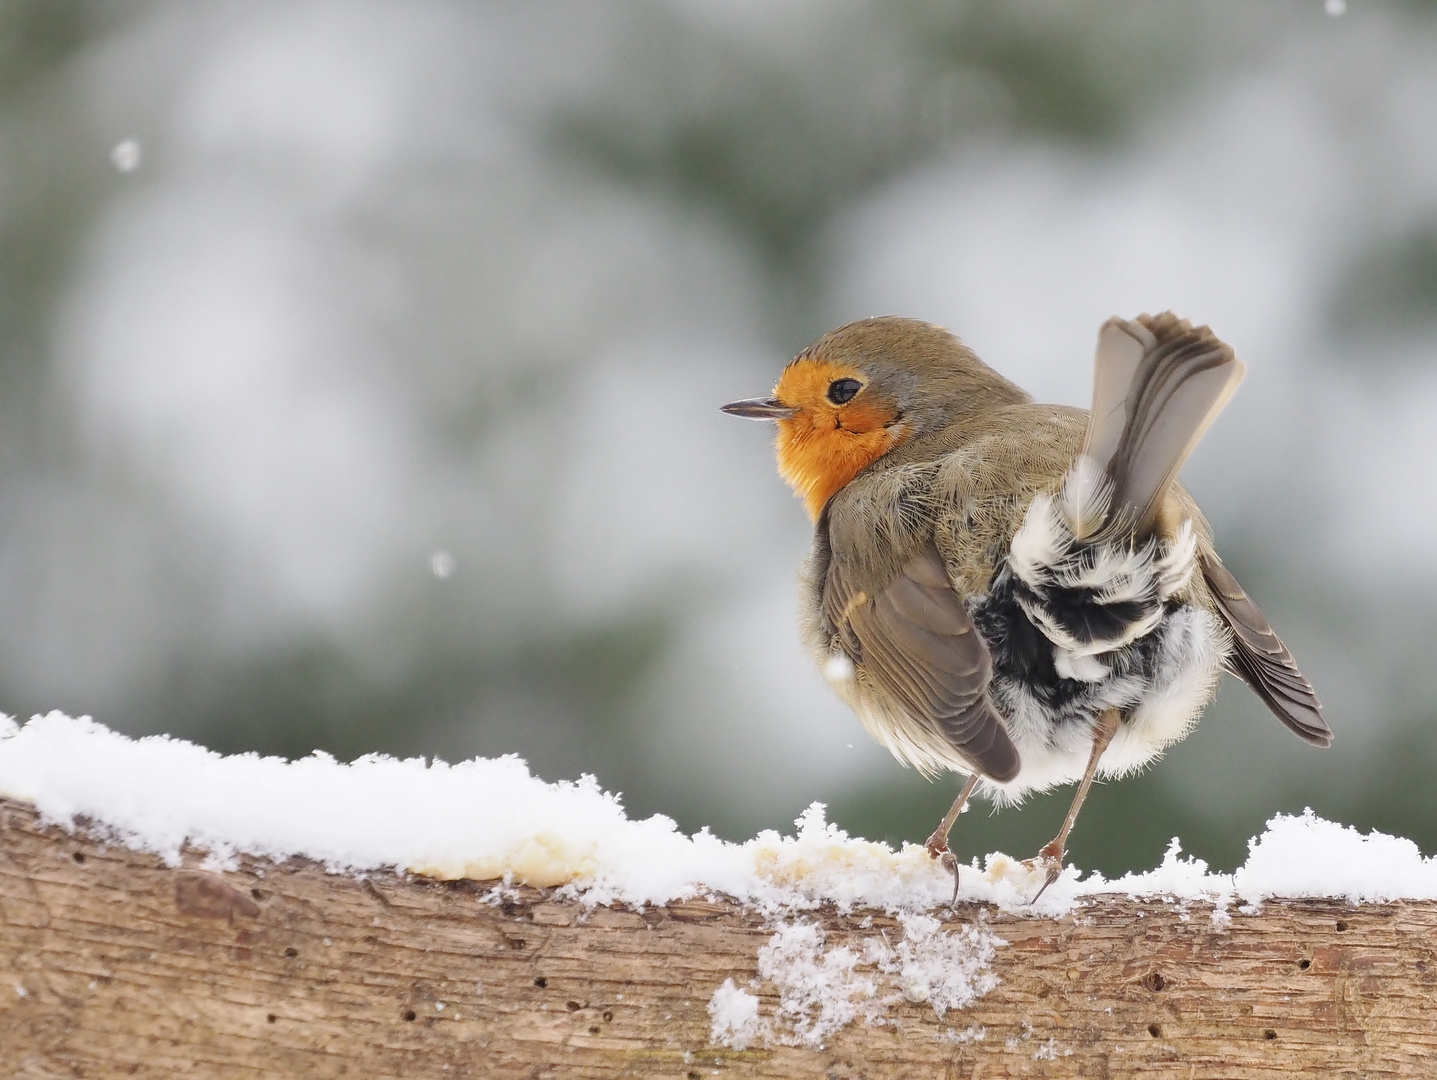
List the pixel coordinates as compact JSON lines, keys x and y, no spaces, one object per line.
{"x":112,"y":964}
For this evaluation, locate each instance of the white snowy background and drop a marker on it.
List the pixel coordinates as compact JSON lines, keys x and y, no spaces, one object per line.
{"x":360,"y":363}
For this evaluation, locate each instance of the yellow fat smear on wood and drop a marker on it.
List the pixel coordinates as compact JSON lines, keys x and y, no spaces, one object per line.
{"x":541,"y":861}
{"x":546,"y":860}
{"x":816,"y":861}
{"x":787,"y":863}
{"x":1003,"y":869}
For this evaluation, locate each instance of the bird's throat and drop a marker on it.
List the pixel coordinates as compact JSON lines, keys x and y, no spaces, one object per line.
{"x":817,"y":457}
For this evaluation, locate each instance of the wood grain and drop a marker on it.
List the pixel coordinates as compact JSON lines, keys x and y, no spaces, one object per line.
{"x":113,"y":964}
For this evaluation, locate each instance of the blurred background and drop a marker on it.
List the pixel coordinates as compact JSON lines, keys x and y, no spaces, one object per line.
{"x":360,"y":366}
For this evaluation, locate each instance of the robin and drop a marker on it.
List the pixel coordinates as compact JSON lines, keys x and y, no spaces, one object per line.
{"x":1020,"y":592}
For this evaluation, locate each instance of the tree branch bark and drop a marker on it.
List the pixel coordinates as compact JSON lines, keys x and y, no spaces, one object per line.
{"x":112,"y":964}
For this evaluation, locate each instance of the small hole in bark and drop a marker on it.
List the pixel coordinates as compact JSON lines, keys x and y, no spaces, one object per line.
{"x":1155,"y":1031}
{"x":517,"y":943}
{"x":541,"y":982}
{"x":79,"y":856}
{"x":693,"y":1076}
{"x":1341,"y":926}
{"x":608,"y":1017}
{"x":1269,"y":1034}
{"x":409,"y":1014}
{"x":256,"y":894}
{"x":573,"y":1006}
{"x":1304,"y":964}
{"x":271,"y":1018}
{"x":594,"y":1030}
{"x":1155,"y":982}
{"x":291,"y":952}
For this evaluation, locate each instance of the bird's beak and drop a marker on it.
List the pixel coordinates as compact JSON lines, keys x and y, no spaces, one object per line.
{"x":759,"y":408}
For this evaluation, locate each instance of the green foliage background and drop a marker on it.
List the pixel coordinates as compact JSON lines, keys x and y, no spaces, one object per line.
{"x":754,"y":132}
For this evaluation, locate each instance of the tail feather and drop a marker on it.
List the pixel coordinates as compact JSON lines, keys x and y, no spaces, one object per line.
{"x":1159,"y":382}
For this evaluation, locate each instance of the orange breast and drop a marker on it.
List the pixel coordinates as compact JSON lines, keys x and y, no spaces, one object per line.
{"x":825,"y":446}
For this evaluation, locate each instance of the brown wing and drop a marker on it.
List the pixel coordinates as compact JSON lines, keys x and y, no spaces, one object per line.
{"x":1261,"y":660}
{"x":915,"y":639}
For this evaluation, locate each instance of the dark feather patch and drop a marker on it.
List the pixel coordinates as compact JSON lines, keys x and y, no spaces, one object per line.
{"x":1023,"y":654}
{"x":1079,"y":612}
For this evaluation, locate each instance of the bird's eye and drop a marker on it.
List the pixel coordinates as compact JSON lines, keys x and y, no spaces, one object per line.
{"x":841,"y":391}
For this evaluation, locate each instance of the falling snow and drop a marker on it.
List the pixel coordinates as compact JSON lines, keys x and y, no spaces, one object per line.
{"x":125,"y":156}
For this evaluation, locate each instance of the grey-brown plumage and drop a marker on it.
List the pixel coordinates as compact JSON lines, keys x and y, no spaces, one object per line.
{"x":917,"y":643}
{"x":1158,"y":384}
{"x":1016,"y":590}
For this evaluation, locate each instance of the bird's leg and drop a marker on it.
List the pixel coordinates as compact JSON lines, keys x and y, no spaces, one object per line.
{"x":937,"y":844}
{"x":1052,"y":853}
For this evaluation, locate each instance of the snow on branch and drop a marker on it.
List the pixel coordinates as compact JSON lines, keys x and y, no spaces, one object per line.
{"x":482,"y":903}
{"x":491,"y":819}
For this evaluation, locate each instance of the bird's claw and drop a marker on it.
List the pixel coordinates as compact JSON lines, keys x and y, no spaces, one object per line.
{"x":1049,"y":862}
{"x":947,"y":860}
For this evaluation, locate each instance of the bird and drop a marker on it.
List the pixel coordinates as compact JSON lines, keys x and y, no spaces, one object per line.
{"x":1018,"y":592}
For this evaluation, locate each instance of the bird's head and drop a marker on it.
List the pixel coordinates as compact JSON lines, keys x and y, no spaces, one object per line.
{"x":861,"y":391}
